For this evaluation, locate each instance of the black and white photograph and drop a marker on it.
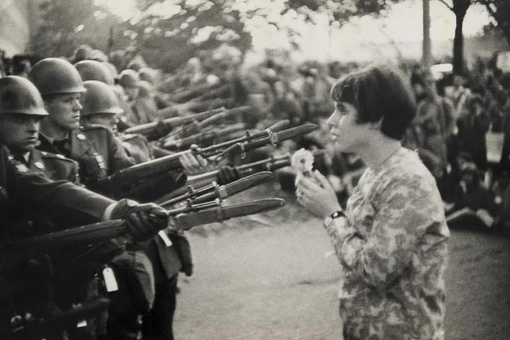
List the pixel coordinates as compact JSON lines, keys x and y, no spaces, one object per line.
{"x":254,"y":169}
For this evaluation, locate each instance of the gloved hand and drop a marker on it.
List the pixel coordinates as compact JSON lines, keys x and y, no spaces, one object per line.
{"x":143,"y":221}
{"x":227,"y":174}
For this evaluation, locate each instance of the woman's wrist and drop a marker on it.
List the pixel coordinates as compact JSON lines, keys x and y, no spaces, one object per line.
{"x":333,"y":209}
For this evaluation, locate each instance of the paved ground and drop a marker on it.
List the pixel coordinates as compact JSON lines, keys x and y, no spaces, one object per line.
{"x":267,"y":277}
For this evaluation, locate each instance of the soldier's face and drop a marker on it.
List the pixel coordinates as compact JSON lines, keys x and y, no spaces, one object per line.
{"x":131,"y":92}
{"x":64,"y":110}
{"x":19,"y":132}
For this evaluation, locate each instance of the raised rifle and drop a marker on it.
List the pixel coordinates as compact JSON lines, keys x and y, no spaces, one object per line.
{"x":192,"y":106}
{"x":192,"y":92}
{"x":123,"y":179}
{"x":156,"y":130}
{"x":203,"y":138}
{"x":194,"y":126}
{"x":218,"y":92}
{"x":269,"y":164}
{"x":213,"y":190}
{"x":191,"y":215}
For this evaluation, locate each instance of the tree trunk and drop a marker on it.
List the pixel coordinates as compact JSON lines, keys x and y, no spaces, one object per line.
{"x":458,"y":44}
{"x":460,"y":8}
{"x":427,"y":46}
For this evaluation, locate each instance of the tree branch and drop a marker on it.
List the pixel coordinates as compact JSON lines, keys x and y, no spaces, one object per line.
{"x":446,"y":4}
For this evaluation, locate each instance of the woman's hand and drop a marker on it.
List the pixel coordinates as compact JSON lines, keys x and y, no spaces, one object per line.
{"x":317,"y":195}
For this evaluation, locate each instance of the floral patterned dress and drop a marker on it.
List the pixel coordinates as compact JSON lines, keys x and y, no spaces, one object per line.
{"x":393,"y":250}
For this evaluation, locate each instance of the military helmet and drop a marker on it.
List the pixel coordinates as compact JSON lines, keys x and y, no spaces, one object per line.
{"x":94,"y":70}
{"x":135,"y":65}
{"x":56,"y":76}
{"x":18,"y":95}
{"x":147,"y":74}
{"x":129,"y":78}
{"x":99,"y":98}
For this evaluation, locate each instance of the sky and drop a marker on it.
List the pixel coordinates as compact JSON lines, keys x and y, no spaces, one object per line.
{"x":402,"y":25}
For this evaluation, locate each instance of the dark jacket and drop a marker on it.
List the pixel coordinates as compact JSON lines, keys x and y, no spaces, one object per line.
{"x":96,"y":150}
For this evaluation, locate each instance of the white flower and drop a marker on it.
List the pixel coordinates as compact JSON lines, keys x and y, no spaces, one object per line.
{"x":302,"y":161}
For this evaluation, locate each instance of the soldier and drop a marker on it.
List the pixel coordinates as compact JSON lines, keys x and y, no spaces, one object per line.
{"x":94,"y":70}
{"x":20,"y":114}
{"x":136,"y":113}
{"x":94,"y":147}
{"x":100,"y":106}
{"x":19,"y":130}
{"x":21,"y":108}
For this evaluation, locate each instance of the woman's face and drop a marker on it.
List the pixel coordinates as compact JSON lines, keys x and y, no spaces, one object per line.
{"x":348,"y":135}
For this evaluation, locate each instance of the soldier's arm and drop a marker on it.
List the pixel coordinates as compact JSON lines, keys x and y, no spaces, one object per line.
{"x":118,"y":158}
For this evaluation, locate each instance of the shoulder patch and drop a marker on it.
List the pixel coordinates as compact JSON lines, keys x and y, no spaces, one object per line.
{"x":21,"y":168}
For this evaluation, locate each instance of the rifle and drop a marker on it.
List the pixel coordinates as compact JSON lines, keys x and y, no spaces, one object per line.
{"x":35,"y":329}
{"x":124,"y":178}
{"x":170,"y":123}
{"x":213,"y":190}
{"x":156,"y":130}
{"x":193,"y":92}
{"x":201,"y":139}
{"x":269,"y":164}
{"x":194,"y":127}
{"x":218,"y":92}
{"x":206,"y":213}
{"x":197,"y":106}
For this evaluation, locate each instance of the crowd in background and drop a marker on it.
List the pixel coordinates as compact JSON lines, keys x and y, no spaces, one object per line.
{"x":455,"y":114}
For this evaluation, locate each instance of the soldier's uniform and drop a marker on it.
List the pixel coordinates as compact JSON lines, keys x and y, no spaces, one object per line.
{"x":27,"y":221}
{"x":53,"y":166}
{"x":36,"y":193}
{"x":95,"y":149}
{"x":137,"y":147}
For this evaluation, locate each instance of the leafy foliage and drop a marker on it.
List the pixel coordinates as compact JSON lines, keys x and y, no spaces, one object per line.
{"x":66,"y":24}
{"x":500,"y":12}
{"x":202,"y":25}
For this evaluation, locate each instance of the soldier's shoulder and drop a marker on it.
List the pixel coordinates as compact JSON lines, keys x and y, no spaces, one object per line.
{"x":131,"y":137}
{"x":48,"y":156}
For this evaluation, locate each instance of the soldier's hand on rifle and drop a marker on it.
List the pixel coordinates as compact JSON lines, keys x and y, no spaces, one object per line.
{"x":194,"y":164}
{"x":143,"y":221}
{"x":227,"y":174}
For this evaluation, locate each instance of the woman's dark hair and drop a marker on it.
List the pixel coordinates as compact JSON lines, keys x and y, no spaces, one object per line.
{"x":379,"y":93}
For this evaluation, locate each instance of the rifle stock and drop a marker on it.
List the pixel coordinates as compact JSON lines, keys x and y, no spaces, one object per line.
{"x":66,"y":239}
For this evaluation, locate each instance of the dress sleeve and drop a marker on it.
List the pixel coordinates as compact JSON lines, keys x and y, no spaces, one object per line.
{"x":403,"y":212}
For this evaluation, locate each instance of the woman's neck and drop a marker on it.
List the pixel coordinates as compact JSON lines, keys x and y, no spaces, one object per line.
{"x":378,"y":153}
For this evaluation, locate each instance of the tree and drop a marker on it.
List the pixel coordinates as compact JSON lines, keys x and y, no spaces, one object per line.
{"x":500,"y":11}
{"x":459,"y":8}
{"x":342,"y":11}
{"x":168,"y":41}
{"x":66,"y":24}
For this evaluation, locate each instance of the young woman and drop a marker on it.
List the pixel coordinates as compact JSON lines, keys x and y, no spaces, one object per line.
{"x":391,"y":238}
